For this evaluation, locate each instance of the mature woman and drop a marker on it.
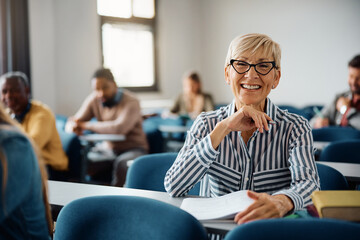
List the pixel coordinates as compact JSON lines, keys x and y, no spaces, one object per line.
{"x":24,"y":208}
{"x":192,"y":101}
{"x":250,"y":144}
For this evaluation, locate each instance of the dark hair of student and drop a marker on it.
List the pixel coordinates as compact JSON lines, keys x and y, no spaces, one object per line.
{"x":104,"y":73}
{"x":355,"y":62}
{"x":5,"y":119}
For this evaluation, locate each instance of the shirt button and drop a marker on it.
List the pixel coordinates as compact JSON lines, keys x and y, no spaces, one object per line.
{"x":248,"y":160}
{"x":247,"y":179}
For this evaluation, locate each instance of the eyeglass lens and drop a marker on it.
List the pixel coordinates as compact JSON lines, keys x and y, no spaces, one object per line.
{"x":262,"y":68}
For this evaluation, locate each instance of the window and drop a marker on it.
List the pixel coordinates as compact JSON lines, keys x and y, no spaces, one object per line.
{"x":128,"y":41}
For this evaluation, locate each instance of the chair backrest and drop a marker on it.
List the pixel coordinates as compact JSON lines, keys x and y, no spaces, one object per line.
{"x":296,"y":229}
{"x":310,"y":110}
{"x":335,"y":133}
{"x":125,"y":217}
{"x":293,"y":109}
{"x":148,"y":172}
{"x":342,"y":151}
{"x":330,"y":178}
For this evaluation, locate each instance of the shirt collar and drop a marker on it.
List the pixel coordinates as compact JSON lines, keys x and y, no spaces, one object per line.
{"x":270,"y":109}
{"x":116,"y":99}
{"x":20,"y":117}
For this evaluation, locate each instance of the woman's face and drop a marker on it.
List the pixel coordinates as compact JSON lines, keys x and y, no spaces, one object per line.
{"x":190,"y":86}
{"x":252,"y":88}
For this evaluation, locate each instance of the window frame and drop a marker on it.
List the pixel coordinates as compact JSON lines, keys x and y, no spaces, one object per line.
{"x":150,"y":22}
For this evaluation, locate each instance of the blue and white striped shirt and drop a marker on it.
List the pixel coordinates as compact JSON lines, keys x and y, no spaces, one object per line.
{"x":278,"y":161}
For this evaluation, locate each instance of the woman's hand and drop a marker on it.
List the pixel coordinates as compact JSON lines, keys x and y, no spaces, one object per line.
{"x":247,"y":118}
{"x":264,"y":206}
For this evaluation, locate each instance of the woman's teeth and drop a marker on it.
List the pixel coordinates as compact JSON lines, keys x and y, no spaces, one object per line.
{"x":250,"y":86}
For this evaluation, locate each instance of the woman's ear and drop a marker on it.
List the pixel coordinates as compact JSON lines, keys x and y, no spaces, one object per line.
{"x":227,"y":73}
{"x":277,"y":79}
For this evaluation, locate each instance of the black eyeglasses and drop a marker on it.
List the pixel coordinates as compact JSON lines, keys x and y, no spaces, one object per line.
{"x":262,"y":68}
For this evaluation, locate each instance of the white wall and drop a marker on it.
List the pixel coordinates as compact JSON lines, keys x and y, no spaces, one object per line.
{"x":42,"y":51}
{"x":318,"y":38}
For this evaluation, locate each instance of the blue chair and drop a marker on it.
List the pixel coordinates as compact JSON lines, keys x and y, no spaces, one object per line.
{"x":296,"y":229}
{"x":148,"y":172}
{"x":330,"y":178}
{"x":292,"y":109}
{"x":125,"y":217}
{"x":335,"y":133}
{"x":309,"y":110}
{"x":347,"y":151}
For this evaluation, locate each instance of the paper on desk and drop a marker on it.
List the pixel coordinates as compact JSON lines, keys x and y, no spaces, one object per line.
{"x":224,"y":207}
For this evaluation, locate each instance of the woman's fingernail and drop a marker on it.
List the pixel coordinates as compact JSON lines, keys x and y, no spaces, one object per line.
{"x":272,"y":122}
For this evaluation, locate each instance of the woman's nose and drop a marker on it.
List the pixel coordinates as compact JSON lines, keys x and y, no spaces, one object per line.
{"x":251,"y":73}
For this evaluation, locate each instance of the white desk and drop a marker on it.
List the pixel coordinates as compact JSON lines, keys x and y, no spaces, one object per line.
{"x":171,"y":144}
{"x":351,"y":171}
{"x":173,"y":129}
{"x":88,"y":141}
{"x":62,"y":193}
{"x":102,"y":137}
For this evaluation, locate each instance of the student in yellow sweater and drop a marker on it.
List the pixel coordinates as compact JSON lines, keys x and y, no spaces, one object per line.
{"x":36,"y":118}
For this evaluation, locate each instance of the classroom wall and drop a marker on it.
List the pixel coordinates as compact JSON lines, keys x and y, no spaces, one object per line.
{"x":318,"y":38}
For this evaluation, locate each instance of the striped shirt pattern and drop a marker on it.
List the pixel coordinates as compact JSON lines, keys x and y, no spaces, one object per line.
{"x":278,"y":161}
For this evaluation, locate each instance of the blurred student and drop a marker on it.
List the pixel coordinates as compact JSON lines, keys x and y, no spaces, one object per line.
{"x":117,"y":112}
{"x":36,"y":119}
{"x":192,"y":101}
{"x":24,"y":208}
{"x":344,"y":110}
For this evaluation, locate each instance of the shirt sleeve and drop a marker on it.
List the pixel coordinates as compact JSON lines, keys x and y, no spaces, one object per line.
{"x":192,"y":162}
{"x":19,"y":165}
{"x":304,"y":176}
{"x":41,"y":129}
{"x":85,"y":112}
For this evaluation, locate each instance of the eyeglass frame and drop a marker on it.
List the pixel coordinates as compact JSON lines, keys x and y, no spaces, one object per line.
{"x":253,"y":65}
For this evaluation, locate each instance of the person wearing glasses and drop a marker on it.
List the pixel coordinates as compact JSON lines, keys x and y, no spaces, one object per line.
{"x":251,"y":144}
{"x":344,"y":110}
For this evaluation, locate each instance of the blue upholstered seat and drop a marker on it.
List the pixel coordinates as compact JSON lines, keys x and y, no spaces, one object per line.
{"x":331,"y":179}
{"x":293,"y":109}
{"x":125,"y":217}
{"x":296,"y":229}
{"x":335,"y":133}
{"x":347,"y":151}
{"x":148,"y":172}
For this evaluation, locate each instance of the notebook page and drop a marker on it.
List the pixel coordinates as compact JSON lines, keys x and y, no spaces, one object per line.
{"x":224,"y":207}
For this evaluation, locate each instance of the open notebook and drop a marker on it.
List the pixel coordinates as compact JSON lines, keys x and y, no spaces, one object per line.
{"x":224,"y":207}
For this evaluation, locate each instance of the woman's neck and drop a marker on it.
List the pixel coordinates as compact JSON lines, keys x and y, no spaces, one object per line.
{"x":259,"y":107}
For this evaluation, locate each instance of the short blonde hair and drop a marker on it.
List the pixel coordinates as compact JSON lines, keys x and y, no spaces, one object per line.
{"x":253,"y":42}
